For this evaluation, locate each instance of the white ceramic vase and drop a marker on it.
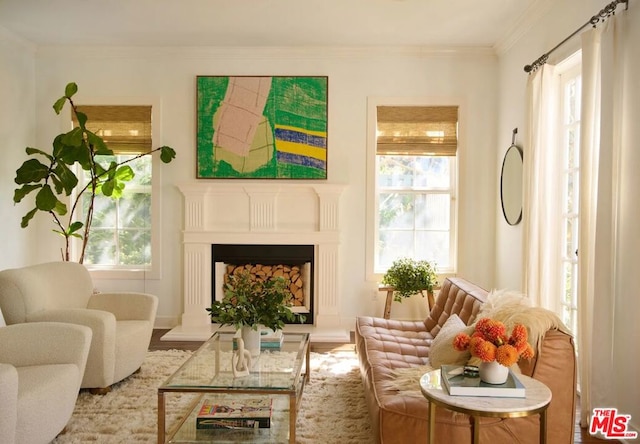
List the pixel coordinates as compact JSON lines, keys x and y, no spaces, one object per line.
{"x":493,"y":373}
{"x":251,"y":340}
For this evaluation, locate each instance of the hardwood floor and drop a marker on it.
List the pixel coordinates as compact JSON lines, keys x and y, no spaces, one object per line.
{"x":581,"y":436}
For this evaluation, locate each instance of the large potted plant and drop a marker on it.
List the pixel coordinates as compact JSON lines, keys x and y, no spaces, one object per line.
{"x":249,"y":303}
{"x":409,"y":276}
{"x":52,"y":178}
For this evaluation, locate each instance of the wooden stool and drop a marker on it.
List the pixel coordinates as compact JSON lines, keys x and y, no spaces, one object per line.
{"x":389,"y":300}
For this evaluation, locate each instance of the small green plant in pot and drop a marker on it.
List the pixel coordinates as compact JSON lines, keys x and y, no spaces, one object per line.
{"x":409,"y":276}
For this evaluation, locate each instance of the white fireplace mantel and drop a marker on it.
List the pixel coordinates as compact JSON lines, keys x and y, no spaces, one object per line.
{"x":258,"y":213}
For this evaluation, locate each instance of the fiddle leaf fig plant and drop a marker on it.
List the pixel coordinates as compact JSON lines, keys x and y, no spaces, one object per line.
{"x":52,"y":178}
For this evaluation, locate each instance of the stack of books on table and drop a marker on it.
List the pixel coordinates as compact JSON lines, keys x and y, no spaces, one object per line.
{"x":242,"y":414}
{"x":270,"y":339}
{"x":457,"y":384}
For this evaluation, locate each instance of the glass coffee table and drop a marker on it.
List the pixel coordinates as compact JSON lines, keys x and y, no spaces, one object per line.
{"x":279,"y":374}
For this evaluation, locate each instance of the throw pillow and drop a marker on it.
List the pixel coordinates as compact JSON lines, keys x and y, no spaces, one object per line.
{"x":442,"y":351}
{"x":2,"y":323}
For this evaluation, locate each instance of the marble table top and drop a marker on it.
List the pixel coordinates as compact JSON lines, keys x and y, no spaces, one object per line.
{"x":538,"y":396}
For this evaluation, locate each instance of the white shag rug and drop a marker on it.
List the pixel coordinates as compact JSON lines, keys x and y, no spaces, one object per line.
{"x":333,"y":407}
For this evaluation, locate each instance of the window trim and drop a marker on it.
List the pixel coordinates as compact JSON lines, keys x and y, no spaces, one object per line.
{"x":570,"y":66}
{"x":372,"y":191}
{"x":155,"y":270}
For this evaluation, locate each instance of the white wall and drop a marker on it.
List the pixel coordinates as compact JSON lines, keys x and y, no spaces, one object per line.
{"x":17,"y":131}
{"x":561,"y":21}
{"x":354,"y":75}
{"x":554,"y":26}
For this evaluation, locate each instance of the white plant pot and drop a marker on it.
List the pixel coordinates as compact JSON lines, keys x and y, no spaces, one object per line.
{"x":251,"y":340}
{"x":493,"y":373}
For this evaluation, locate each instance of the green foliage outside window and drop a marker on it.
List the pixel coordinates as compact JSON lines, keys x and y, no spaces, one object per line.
{"x":121,"y":231}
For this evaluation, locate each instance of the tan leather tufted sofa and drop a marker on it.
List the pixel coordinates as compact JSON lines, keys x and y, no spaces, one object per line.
{"x":384,"y":345}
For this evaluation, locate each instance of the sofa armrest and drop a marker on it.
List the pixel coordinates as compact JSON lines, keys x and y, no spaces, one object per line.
{"x":8,"y":402}
{"x":126,"y":306}
{"x":555,"y":365}
{"x":37,"y":343}
{"x":101,"y":323}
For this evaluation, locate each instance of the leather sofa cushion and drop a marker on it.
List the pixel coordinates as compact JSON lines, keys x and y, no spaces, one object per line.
{"x":456,"y":296}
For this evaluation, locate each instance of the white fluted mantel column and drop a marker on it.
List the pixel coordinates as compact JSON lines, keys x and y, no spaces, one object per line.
{"x":262,"y":208}
{"x":197,"y":285}
{"x":329,"y":198}
{"x":194,"y":207}
{"x":327,"y":272}
{"x":328,"y":258}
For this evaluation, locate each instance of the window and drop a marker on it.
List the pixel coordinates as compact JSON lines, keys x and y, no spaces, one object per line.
{"x":123,"y":234}
{"x":415,"y":167}
{"x":121,"y":229}
{"x":569,"y":142}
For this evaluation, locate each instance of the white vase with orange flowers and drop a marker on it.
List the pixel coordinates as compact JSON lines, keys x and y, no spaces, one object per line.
{"x":495,"y":348}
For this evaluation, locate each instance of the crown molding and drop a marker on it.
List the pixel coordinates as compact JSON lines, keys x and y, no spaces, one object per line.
{"x":9,"y":36}
{"x":534,"y":13}
{"x":258,"y":53}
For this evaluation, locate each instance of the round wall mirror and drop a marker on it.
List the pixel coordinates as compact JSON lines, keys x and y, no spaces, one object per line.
{"x":511,"y":185}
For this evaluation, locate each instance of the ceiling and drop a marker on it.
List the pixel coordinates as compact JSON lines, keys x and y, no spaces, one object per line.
{"x":430,"y":23}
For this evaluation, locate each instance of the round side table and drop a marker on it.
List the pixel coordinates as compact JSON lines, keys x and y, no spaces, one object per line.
{"x":538,"y":397}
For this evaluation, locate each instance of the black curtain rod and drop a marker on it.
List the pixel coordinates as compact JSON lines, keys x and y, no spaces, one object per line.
{"x":604,"y":13}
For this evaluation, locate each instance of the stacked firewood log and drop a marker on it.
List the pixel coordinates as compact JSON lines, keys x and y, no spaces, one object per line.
{"x":291,"y":273}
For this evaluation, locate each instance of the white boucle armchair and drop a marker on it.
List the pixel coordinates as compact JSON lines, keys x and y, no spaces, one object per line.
{"x":122,"y":323}
{"x":41,"y":367}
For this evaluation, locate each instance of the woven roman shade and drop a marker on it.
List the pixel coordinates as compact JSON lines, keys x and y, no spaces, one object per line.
{"x":125,"y":129}
{"x":417,"y":130}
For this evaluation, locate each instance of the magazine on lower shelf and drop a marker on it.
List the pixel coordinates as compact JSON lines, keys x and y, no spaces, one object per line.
{"x":243,"y":414}
{"x":457,"y":384}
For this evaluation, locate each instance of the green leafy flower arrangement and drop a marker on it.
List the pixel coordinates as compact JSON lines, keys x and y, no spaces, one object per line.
{"x":253,"y":302}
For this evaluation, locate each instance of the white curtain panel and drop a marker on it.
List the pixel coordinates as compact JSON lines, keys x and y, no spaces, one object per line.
{"x":605,"y":143}
{"x":542,"y":174}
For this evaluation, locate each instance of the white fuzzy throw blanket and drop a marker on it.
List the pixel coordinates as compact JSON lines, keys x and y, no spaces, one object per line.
{"x":506,"y":306}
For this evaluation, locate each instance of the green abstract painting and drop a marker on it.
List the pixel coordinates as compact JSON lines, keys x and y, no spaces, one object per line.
{"x":262,"y":127}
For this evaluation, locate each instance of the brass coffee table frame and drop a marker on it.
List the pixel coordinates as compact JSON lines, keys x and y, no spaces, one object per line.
{"x":478,"y":406}
{"x":294,"y":390}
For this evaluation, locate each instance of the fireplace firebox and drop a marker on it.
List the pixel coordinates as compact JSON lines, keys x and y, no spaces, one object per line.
{"x":296,"y":262}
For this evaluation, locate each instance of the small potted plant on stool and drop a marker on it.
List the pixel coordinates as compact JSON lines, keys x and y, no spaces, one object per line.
{"x":407,"y":277}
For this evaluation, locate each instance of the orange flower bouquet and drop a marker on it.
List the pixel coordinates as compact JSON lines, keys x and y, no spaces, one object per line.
{"x":490,"y":342}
